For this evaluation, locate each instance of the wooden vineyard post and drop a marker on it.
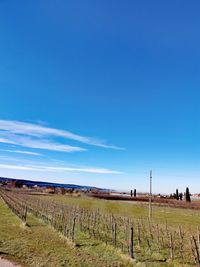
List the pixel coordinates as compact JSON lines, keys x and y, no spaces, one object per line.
{"x":115,"y":235}
{"x":131,"y":244}
{"x":181,"y":236}
{"x":195,"y":250}
{"x":73,"y":228}
{"x":198,"y":239}
{"x":138,"y":234}
{"x":171,"y":246}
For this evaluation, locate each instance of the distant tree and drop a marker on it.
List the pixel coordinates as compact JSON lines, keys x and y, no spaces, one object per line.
{"x":177,"y":195}
{"x":17,"y":184}
{"x":63,"y":191}
{"x":187,"y":195}
{"x":72,"y":190}
{"x":131,"y":193}
{"x":181,"y":196}
{"x":135,"y":193}
{"x":174,"y":195}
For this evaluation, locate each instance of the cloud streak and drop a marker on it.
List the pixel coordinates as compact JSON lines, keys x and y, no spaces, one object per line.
{"x":24,"y":141}
{"x":22,"y":152}
{"x":40,"y":131}
{"x":42,"y":168}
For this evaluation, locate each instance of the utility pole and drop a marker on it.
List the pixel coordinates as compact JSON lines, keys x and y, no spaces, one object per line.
{"x":150,"y":196}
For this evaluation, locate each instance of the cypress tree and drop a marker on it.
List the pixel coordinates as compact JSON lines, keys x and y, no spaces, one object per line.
{"x":181,"y":196}
{"x":187,"y":195}
{"x":131,"y":193}
{"x":177,"y":195}
{"x":135,"y":193}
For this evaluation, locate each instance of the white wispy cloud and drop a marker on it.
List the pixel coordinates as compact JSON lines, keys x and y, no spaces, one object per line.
{"x":22,"y":152}
{"x":16,"y":167}
{"x":41,"y":131}
{"x":20,"y":140}
{"x":42,"y":168}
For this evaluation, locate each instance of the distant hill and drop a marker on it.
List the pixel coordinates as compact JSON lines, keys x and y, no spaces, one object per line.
{"x":48,"y":184}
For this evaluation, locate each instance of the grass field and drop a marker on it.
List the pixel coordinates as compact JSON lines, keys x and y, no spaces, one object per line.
{"x":189,"y":219}
{"x":39,"y":245}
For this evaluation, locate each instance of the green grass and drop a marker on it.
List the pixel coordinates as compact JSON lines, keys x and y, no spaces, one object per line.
{"x":39,"y":245}
{"x":188,"y":219}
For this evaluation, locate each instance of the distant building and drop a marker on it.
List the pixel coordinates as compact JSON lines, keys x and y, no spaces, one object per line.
{"x":49,"y":190}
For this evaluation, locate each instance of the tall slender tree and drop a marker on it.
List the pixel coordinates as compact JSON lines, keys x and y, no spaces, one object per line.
{"x":131,"y":193}
{"x":187,"y":195}
{"x":135,"y":193}
{"x":177,"y":195}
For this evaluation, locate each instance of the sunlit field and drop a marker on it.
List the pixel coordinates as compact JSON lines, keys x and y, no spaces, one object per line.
{"x":60,"y":230}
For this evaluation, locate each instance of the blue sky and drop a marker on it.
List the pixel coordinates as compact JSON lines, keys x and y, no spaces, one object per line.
{"x":100,"y":92}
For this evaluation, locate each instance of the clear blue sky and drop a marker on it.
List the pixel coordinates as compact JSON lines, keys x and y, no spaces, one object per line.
{"x":123,"y":72}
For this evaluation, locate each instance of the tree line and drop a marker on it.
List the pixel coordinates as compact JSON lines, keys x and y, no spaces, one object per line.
{"x":176,"y":195}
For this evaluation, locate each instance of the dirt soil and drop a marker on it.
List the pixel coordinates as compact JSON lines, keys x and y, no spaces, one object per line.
{"x":6,"y":263}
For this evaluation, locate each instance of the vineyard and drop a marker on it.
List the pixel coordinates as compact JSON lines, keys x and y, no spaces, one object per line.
{"x":140,"y":239}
